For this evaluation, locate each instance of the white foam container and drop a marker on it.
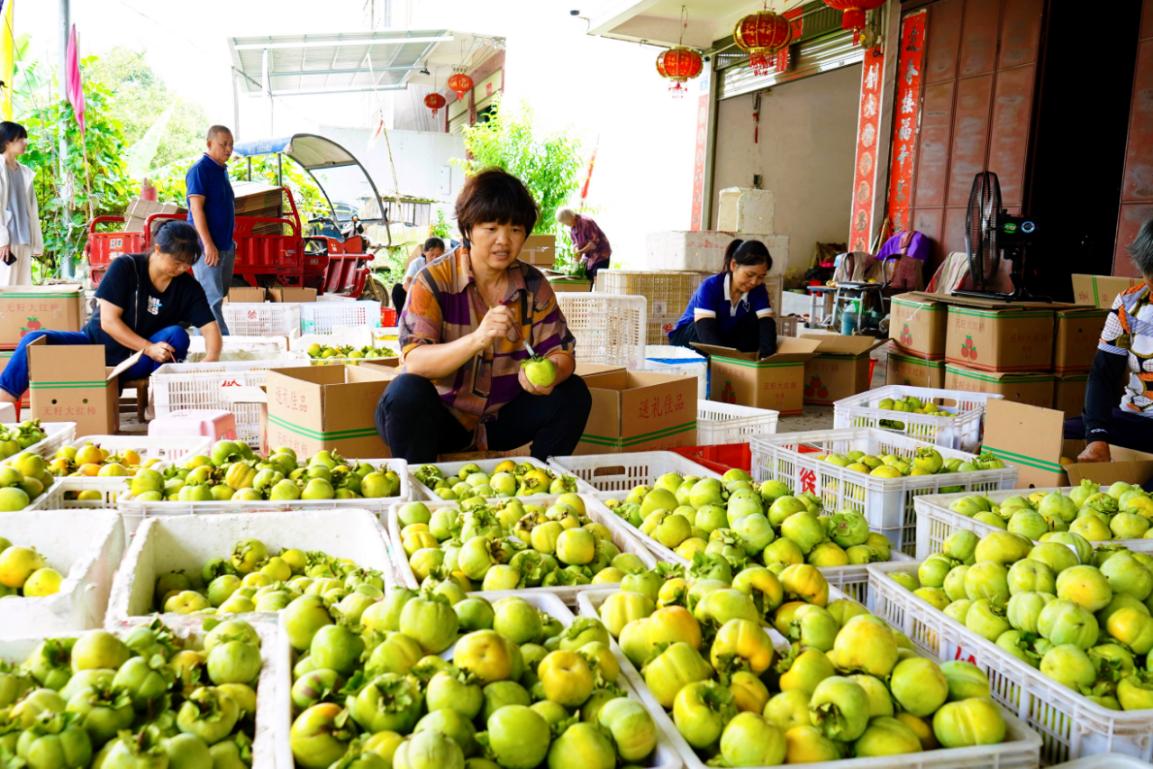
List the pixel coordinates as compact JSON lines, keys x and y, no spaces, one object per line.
{"x":135,"y":512}
{"x":420,"y":491}
{"x":664,"y":757}
{"x":166,"y":544}
{"x":935,"y":521}
{"x":1104,"y":761}
{"x":595,"y":511}
{"x":623,"y":472}
{"x":669,"y":359}
{"x":961,"y":430}
{"x":1019,"y":751}
{"x":1070,"y":725}
{"x":85,"y":546}
{"x":887,"y":503}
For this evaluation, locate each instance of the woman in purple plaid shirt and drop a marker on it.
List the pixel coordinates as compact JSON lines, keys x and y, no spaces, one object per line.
{"x":591,"y":244}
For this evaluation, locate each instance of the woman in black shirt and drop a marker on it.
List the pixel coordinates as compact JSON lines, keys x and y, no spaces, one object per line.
{"x":143,"y":304}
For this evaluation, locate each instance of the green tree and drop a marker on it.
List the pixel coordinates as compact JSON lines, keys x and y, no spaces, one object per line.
{"x":547,"y":165}
{"x":77,"y":175}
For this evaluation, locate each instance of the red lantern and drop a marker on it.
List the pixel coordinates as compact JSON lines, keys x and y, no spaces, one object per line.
{"x":679,"y":64}
{"x":761,"y":35}
{"x":853,"y":13}
{"x":461,"y":84}
{"x":435,"y":101}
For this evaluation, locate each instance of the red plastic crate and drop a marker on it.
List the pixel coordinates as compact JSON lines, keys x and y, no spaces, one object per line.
{"x":388,"y":317}
{"x":721,"y":458}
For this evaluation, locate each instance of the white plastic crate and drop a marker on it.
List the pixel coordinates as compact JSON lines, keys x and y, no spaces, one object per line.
{"x":1070,"y":725}
{"x":191,"y":386}
{"x":135,"y":511}
{"x":85,"y":546}
{"x":357,"y":337}
{"x":720,"y":423}
{"x":186,"y":542}
{"x":935,"y":521}
{"x":595,"y":511}
{"x":56,"y":434}
{"x":420,"y":491}
{"x":262,"y":318}
{"x":1018,"y":751}
{"x":166,"y":448}
{"x":237,"y":347}
{"x":961,"y":430}
{"x":270,"y":749}
{"x":669,"y":359}
{"x":608,"y":329}
{"x":623,"y":472}
{"x":887,"y":503}
{"x":327,"y":317}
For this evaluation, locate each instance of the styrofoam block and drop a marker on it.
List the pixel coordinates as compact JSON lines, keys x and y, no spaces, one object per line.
{"x":86,"y":546}
{"x":169,"y":543}
{"x":703,"y":250}
{"x":745,"y":209}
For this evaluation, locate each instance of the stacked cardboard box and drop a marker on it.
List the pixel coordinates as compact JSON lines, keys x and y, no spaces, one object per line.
{"x":917,"y":347}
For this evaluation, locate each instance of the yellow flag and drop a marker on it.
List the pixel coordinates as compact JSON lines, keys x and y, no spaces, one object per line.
{"x":7,"y":59}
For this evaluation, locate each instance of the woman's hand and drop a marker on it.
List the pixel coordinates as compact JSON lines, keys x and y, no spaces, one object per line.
{"x":1095,"y":451}
{"x":161,"y":352}
{"x":498,"y":323}
{"x":532,"y":389}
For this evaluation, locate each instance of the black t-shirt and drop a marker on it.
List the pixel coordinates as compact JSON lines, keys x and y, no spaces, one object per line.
{"x":126,"y":284}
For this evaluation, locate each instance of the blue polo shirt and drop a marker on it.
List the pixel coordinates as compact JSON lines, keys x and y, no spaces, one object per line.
{"x":711,"y":300}
{"x":210,"y":179}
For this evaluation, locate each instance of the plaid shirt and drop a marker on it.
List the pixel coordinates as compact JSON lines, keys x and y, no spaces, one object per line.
{"x":1129,"y":332}
{"x":444,"y":304}
{"x":586,"y":231}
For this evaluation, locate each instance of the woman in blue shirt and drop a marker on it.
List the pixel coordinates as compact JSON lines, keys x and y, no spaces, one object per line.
{"x":731,"y":308}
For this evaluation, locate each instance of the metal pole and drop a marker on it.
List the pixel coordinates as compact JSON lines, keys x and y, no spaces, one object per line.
{"x":235,"y":104}
{"x":266,"y":83}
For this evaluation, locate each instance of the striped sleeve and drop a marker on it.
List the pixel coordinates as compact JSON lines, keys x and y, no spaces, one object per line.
{"x":421,"y":321}
{"x":759,"y":302}
{"x":1116,"y":335}
{"x":550,"y":330}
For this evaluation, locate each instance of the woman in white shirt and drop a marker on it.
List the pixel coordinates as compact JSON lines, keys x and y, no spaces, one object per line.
{"x":433,"y":249}
{"x":20,"y":236}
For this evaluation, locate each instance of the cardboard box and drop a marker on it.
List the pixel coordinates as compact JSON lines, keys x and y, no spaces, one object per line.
{"x":1069,"y":396}
{"x":136,"y":216}
{"x":776,"y":382}
{"x":840,"y":368}
{"x":32,"y":308}
{"x":917,"y":325}
{"x":70,"y":383}
{"x":291,"y":294}
{"x":912,"y":371}
{"x":995,"y":339}
{"x":539,"y":250}
{"x":1078,"y":331}
{"x":1032,"y":388}
{"x":327,"y":408}
{"x":245,"y":294}
{"x":1031,"y":438}
{"x":1100,"y":290}
{"x":639,"y":411}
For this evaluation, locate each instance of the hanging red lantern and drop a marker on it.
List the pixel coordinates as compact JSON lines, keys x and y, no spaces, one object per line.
{"x":679,"y":64}
{"x":761,"y":35}
{"x":853,"y":13}
{"x":461,"y":84}
{"x":435,"y":102}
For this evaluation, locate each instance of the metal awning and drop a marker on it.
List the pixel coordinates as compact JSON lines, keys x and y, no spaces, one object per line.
{"x":314,"y":154}
{"x":347,"y":62}
{"x":658,"y":22}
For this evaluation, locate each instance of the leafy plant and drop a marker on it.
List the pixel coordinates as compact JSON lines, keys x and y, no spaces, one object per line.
{"x":440,"y":228}
{"x":548,"y":166}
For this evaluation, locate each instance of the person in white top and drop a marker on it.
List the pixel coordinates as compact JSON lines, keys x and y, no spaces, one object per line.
{"x":433,"y":249}
{"x":20,"y":235}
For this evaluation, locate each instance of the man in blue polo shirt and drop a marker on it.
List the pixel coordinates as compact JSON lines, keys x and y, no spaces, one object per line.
{"x":212,"y":211}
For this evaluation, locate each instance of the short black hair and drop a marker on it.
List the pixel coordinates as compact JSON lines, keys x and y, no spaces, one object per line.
{"x":432,"y":243}
{"x":747,"y":253}
{"x":179,"y":240}
{"x":10,"y":132}
{"x":1141,"y":249}
{"x":494,"y":195}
